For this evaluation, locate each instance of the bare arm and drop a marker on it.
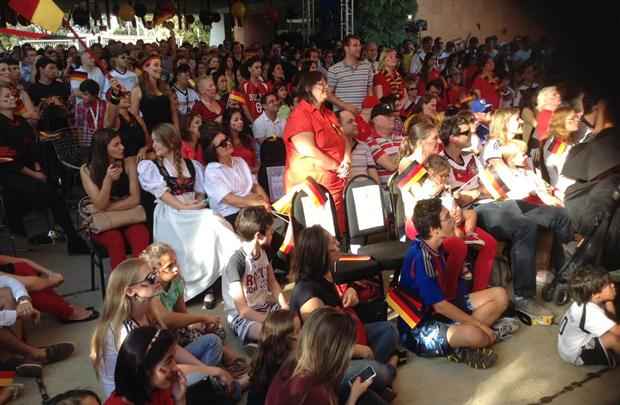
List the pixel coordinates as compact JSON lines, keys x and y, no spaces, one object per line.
{"x":310,"y":306}
{"x":388,"y":162}
{"x":100,"y":197}
{"x":245,"y":311}
{"x":379,"y":91}
{"x":250,"y":200}
{"x":134,"y":189}
{"x":373,"y":174}
{"x":172,"y":201}
{"x":304,"y":144}
{"x":175,"y":320}
{"x":110,"y":119}
{"x":275,"y":289}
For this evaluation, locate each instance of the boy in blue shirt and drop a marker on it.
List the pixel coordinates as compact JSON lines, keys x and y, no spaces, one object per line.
{"x":460,"y":330}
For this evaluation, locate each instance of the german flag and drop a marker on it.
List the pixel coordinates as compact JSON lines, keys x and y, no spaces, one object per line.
{"x":414,"y":173}
{"x":494,"y":184}
{"x":78,"y":76}
{"x":405,"y":306}
{"x":44,"y":13}
{"x":311,"y":187}
{"x":289,"y":240}
{"x":557,"y":147}
{"x":237,"y":96}
{"x":6,"y":378}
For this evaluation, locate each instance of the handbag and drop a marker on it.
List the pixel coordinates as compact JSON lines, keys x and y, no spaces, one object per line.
{"x":100,"y":221}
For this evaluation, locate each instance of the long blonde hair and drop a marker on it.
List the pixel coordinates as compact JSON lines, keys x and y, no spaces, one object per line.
{"x":498,"y":129}
{"x":325,"y":347}
{"x":557,"y":126}
{"x":383,"y":57}
{"x":116,"y":307}
{"x":167,"y":135}
{"x":416,"y":133}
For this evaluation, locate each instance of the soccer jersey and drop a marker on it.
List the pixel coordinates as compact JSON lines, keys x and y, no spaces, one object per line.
{"x":128,"y":80}
{"x":461,"y":173}
{"x":578,"y":327}
{"x":80,"y":74}
{"x":253,"y":93}
{"x":186,"y":99}
{"x":381,"y":146}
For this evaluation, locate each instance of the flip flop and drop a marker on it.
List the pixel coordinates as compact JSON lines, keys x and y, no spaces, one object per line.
{"x":29,"y":370}
{"x":94,"y":314}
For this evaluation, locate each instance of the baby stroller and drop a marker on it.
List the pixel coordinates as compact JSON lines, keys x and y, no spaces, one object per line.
{"x":591,"y":250}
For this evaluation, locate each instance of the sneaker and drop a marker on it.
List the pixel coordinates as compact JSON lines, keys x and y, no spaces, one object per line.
{"x":538,"y":313}
{"x":481,"y":358}
{"x":504,"y":328}
{"x":473,"y":240}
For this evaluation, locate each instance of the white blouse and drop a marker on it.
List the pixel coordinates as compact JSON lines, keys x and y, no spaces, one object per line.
{"x":221,"y":180}
{"x":555,"y":164}
{"x":153,"y":182}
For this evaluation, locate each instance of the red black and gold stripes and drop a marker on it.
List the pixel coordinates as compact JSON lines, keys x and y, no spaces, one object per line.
{"x":557,"y":147}
{"x":414,"y":173}
{"x":405,"y":306}
{"x":494,"y":184}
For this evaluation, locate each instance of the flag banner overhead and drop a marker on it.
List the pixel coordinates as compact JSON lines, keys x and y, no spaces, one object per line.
{"x":44,"y":13}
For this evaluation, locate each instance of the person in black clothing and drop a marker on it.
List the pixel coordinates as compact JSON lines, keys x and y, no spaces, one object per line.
{"x":50,"y":95}
{"x":21,"y":176}
{"x":153,"y":98}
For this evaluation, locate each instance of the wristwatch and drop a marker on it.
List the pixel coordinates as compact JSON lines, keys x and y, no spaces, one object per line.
{"x":23,"y":298}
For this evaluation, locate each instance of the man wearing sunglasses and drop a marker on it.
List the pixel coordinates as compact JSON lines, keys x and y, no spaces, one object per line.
{"x":119,"y":57}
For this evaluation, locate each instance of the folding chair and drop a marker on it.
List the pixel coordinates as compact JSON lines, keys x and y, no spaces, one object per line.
{"x":306,"y":214}
{"x":366,"y":216}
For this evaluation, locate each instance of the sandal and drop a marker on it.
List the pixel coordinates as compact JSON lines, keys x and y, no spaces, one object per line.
{"x":94,"y":314}
{"x":238,"y":367}
{"x":29,"y":370}
{"x":481,"y":358}
{"x":58,"y":352}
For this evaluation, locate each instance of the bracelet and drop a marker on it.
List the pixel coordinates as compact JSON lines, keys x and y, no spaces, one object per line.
{"x":23,"y":298}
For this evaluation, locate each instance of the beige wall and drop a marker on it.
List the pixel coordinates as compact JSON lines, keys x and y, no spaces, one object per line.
{"x":452,"y":19}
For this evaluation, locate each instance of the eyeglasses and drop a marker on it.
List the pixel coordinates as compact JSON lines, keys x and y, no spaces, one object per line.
{"x":224,"y":144}
{"x":150,"y":278}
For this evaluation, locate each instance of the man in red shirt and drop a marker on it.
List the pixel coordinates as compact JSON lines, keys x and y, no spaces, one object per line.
{"x":254,"y":89}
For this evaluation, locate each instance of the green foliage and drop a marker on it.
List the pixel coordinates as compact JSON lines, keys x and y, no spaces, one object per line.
{"x":195,"y":33}
{"x":384,"y":21}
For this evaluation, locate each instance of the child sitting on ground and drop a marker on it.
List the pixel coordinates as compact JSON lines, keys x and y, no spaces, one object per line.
{"x":249,"y":287}
{"x":171,"y":307}
{"x":589,"y":332}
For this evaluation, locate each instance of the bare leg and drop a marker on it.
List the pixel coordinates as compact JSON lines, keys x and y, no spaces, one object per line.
{"x":489,"y":304}
{"x":255,"y":332}
{"x":467,"y":336}
{"x":10,"y":342}
{"x":611,"y":342}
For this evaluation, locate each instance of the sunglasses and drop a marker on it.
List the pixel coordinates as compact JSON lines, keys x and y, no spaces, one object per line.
{"x":150,"y":278}
{"x":225,"y":143}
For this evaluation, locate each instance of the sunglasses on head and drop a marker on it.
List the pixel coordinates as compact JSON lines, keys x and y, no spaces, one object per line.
{"x":150,"y":278}
{"x":225,"y":142}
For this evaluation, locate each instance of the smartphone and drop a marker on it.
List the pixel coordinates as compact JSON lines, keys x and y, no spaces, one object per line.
{"x":364,"y":375}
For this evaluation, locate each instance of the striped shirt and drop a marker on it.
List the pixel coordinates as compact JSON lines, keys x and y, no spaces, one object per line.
{"x":350,"y":83}
{"x":381,"y":146}
{"x":361,"y":159}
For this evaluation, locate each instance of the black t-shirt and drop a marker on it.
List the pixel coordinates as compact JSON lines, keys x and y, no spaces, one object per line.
{"x":307,"y":289}
{"x":39,"y":92}
{"x":18,"y":135}
{"x":53,"y":117}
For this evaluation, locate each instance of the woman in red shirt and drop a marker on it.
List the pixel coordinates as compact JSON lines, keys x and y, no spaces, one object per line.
{"x":486,"y":84}
{"x":388,"y":80}
{"x":323,"y":355}
{"x":244,"y":144}
{"x":190,"y":147}
{"x":146,"y":372}
{"x":315,"y":143}
{"x":209,"y":108}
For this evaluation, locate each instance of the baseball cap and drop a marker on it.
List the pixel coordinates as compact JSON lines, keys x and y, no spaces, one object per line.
{"x":480,"y":105}
{"x":382,"y":109}
{"x":370,"y":102}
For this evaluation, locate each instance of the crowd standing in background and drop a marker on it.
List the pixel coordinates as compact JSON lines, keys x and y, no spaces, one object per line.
{"x":180,"y":141}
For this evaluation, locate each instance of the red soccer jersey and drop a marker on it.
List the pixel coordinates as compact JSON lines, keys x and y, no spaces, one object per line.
{"x":253,"y":93}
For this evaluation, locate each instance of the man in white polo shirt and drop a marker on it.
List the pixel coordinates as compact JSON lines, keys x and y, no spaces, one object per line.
{"x":350,"y":80}
{"x":268,"y":124}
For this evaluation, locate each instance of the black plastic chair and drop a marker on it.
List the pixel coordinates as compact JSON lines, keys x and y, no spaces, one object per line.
{"x":345,"y":270}
{"x":366,"y":216}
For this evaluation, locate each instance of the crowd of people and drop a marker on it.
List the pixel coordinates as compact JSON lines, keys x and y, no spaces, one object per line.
{"x":473,"y":139}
